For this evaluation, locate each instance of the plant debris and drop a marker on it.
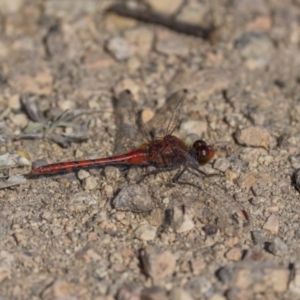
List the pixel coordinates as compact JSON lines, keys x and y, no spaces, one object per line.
{"x":41,"y":127}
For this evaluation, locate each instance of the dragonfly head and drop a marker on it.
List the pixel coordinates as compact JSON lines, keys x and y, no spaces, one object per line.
{"x":203,"y":153}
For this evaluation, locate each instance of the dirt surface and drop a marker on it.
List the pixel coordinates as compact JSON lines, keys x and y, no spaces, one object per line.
{"x":95,"y":234}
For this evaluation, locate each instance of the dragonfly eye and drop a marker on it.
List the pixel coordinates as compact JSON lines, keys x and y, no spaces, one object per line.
{"x":204,"y":153}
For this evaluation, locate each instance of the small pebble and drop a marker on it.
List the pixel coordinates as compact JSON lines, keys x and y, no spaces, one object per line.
{"x":170,"y":44}
{"x":127,"y":84}
{"x":19,"y":120}
{"x":82,"y":174}
{"x":234,"y":254}
{"x":80,"y":201}
{"x":158,"y":265}
{"x":210,"y":229}
{"x":254,"y":136}
{"x":180,"y":294}
{"x":231,"y":176}
{"x":250,"y":155}
{"x":256,"y":49}
{"x":120,"y":215}
{"x":295,"y":161}
{"x":12,"y":180}
{"x":257,"y":200}
{"x":112,"y":173}
{"x":186,"y":225}
{"x":258,"y":237}
{"x":198,"y":286}
{"x":164,"y":7}
{"x":141,"y":38}
{"x":14,"y":102}
{"x":120,"y":48}
{"x":272,"y":224}
{"x":193,"y":127}
{"x":145,"y":232}
{"x":133,"y":198}
{"x":278,"y":247}
{"x":147,"y":115}
{"x":89,"y":183}
{"x":156,"y":217}
{"x":180,"y":221}
{"x":221,"y":164}
{"x":193,"y":12}
{"x":66,"y":105}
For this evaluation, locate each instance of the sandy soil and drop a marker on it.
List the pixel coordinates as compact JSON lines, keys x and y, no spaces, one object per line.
{"x":95,"y":234}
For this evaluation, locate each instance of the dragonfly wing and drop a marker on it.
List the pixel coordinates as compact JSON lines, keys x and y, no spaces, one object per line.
{"x":166,"y":118}
{"x":128,"y":135}
{"x":133,"y":132}
{"x":125,"y":124}
{"x":225,"y":208}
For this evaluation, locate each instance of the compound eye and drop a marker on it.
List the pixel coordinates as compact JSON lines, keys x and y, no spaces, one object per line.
{"x":199,"y":143}
{"x":203,"y":151}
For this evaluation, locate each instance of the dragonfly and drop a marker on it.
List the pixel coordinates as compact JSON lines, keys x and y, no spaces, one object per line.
{"x":158,"y":146}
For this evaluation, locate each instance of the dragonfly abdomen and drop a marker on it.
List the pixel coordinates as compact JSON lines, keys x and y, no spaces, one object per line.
{"x":136,"y":157}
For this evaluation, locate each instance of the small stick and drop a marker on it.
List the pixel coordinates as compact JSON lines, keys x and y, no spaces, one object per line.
{"x":151,"y":17}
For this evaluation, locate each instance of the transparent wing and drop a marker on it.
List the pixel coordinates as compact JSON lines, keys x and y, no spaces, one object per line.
{"x":130,"y":135}
{"x":126,"y":130}
{"x":133,"y":132}
{"x":225,"y":210}
{"x":166,"y":118}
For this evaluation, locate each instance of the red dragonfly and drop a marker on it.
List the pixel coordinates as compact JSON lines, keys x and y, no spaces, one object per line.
{"x":159,"y":148}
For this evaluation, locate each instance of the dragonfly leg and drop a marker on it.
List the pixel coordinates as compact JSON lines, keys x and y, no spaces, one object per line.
{"x":177,"y":176}
{"x":155,"y":172}
{"x":203,"y":173}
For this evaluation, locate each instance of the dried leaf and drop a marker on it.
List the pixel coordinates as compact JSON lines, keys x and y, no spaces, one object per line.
{"x":43,"y":128}
{"x":66,"y":140}
{"x":6,"y":182}
{"x":33,"y":127}
{"x":4,"y":159}
{"x":61,"y":121}
{"x":76,"y":137}
{"x":31,"y":109}
{"x":80,"y":112}
{"x":5,"y":133}
{"x":8,"y":160}
{"x":29,"y":136}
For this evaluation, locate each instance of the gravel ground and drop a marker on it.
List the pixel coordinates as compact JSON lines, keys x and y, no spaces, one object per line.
{"x":96,"y":234}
